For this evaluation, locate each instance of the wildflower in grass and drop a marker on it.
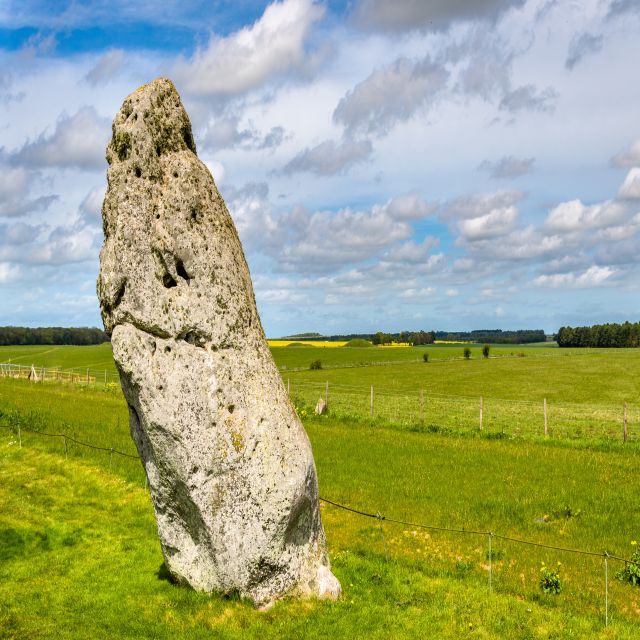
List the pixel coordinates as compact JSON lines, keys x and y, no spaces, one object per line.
{"x":631,"y":571}
{"x":550,"y":579}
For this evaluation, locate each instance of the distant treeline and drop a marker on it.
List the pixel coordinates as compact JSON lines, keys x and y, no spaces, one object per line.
{"x":600,"y":335}
{"x":496,"y":336}
{"x":52,"y":335}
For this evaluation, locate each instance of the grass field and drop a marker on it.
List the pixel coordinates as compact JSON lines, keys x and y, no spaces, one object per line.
{"x":585,"y":390}
{"x":79,"y":542}
{"x":99,"y":356}
{"x":80,"y":559}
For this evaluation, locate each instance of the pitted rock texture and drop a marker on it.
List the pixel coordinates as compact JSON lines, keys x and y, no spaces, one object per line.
{"x":230,"y":468}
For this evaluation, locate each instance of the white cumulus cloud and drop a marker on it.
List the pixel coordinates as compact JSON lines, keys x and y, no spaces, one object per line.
{"x":246,"y":59}
{"x":594,"y":276}
{"x":78,"y":141}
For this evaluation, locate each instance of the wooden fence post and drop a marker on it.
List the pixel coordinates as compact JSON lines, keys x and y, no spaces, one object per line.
{"x":480,"y":413}
{"x":546,"y":420}
{"x":625,"y":433}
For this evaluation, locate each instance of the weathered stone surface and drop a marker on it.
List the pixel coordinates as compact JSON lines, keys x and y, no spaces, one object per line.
{"x":230,"y":467}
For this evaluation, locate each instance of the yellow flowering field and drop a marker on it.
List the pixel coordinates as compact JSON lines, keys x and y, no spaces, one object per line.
{"x":306,"y":343}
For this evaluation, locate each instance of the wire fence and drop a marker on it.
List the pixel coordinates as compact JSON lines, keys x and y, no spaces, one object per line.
{"x":421,"y":410}
{"x":36,"y":373}
{"x":488,"y":536}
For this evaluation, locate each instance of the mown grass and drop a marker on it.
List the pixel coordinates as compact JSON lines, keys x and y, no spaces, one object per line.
{"x":80,"y":558}
{"x":563,"y":496}
{"x":96,"y":357}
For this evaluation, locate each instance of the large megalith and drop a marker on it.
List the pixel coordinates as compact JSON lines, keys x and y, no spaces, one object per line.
{"x":230,"y":468}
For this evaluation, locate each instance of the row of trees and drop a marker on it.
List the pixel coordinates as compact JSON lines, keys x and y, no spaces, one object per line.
{"x":600,"y":335}
{"x":414,"y":337}
{"x":52,"y":335}
{"x":496,"y":336}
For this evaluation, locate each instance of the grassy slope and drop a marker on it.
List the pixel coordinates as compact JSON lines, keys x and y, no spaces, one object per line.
{"x":571,"y":375}
{"x":79,"y":558}
{"x":99,"y":356}
{"x":591,"y":376}
{"x":508,"y":487}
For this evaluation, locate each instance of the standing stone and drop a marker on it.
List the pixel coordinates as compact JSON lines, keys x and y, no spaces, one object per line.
{"x":230,"y":468}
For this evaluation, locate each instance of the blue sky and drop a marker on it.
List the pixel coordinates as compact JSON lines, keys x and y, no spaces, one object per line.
{"x":451,"y":164}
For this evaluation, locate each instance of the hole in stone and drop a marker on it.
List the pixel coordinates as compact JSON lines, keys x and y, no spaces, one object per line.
{"x":175,"y":174}
{"x":194,"y":214}
{"x":167,"y":349}
{"x":231,"y":407}
{"x":158,"y":150}
{"x":181,"y":271}
{"x":119,"y":294}
{"x":138,"y":172}
{"x":157,"y":216}
{"x":195,"y":338}
{"x":168,"y":281}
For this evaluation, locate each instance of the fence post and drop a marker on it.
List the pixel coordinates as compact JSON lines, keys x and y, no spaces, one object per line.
{"x":490,"y":536}
{"x":480,"y":413}
{"x":421,"y":406}
{"x":371,"y":402}
{"x":380,"y":518}
{"x":110,"y":458}
{"x":625,"y":433}
{"x":546,"y":420}
{"x":19,"y":436}
{"x":105,"y":376}
{"x":606,"y":589}
{"x":65,"y":446}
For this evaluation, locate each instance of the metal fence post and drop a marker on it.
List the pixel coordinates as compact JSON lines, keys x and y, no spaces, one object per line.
{"x":490,"y":536}
{"x":371,"y":402}
{"x":606,"y":589}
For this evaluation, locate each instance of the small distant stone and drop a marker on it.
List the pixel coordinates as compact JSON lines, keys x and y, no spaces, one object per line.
{"x":321,"y":407}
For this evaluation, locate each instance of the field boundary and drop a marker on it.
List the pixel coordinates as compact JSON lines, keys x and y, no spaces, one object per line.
{"x":417,"y":409}
{"x":379,"y":517}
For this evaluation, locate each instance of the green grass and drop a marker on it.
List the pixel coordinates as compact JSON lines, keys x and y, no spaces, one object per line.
{"x":80,"y":558}
{"x":98,"y":357}
{"x":64,"y":357}
{"x":435,"y":583}
{"x":408,"y":462}
{"x":585,"y":390}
